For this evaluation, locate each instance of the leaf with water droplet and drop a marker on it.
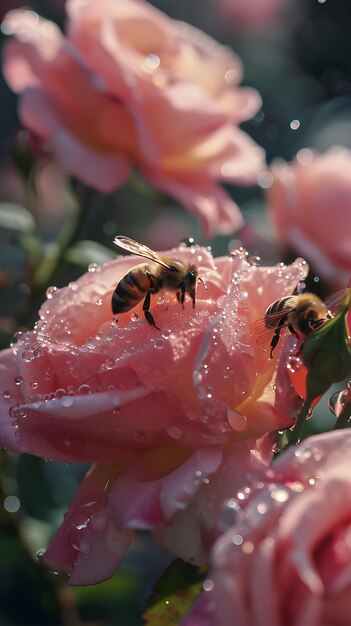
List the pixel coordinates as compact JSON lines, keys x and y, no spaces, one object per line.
{"x":174,"y":594}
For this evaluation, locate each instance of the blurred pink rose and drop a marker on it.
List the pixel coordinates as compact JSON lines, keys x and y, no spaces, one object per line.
{"x":310,"y":201}
{"x":286,"y":559}
{"x":128,"y":85}
{"x":162,"y":413}
{"x":253,"y":14}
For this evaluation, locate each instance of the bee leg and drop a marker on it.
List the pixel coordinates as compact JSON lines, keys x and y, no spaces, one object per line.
{"x":274,"y":341}
{"x":182,"y":294}
{"x":148,"y":316}
{"x":292,"y":330}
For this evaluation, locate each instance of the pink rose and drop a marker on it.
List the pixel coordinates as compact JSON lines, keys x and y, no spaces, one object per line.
{"x":162,"y":412}
{"x":310,"y":202}
{"x":286,"y":559}
{"x":128,"y":85}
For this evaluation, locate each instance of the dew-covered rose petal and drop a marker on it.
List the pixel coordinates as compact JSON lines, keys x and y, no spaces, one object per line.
{"x":185,"y":410}
{"x":151,"y":493}
{"x":88,"y":544}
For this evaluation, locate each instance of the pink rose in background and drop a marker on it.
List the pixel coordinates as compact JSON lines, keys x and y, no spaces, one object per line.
{"x":128,"y":85}
{"x":172,"y":417}
{"x":310,"y":202}
{"x":253,"y":14}
{"x":286,"y":558}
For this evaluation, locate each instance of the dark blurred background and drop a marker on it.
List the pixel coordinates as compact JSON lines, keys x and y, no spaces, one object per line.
{"x":298,"y":56}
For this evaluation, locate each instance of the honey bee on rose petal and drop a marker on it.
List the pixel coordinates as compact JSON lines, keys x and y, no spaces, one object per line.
{"x":146,"y":279}
{"x":302,"y":314}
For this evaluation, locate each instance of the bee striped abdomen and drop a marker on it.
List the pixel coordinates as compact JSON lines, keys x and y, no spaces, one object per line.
{"x":276,"y":307}
{"x":129,"y":291}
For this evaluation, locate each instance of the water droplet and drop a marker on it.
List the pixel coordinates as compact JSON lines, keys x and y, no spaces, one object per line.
{"x":265,"y":180}
{"x":84,"y":389}
{"x":237,"y":421}
{"x":99,"y":302}
{"x":98,"y":522}
{"x":237,"y":540}
{"x":67,"y":400}
{"x":50,"y":292}
{"x":11,"y":504}
{"x":280,"y":495}
{"x":18,"y":380}
{"x":59,"y":393}
{"x":15,"y":338}
{"x":208,"y":584}
{"x":40,"y":554}
{"x":6,"y":395}
{"x":135,"y":316}
{"x":159,"y":343}
{"x":294,"y":124}
{"x":92,"y":267}
{"x":152,"y":61}
{"x":293,"y":363}
{"x":175,"y":432}
{"x":187,"y":242}
{"x":114,"y":321}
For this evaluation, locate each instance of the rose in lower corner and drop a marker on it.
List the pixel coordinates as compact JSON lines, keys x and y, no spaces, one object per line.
{"x":172,"y":418}
{"x":285,"y":555}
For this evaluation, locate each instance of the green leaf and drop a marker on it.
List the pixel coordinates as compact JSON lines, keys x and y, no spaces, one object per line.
{"x":174,"y":594}
{"x":15,"y":217}
{"x":85,"y":252}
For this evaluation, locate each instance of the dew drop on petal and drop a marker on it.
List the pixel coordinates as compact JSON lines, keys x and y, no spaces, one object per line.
{"x":92,"y":267}
{"x":135,"y":316}
{"x":18,"y":380}
{"x":84,"y":390}
{"x":237,"y":421}
{"x":15,"y":338}
{"x":237,"y":540}
{"x":67,"y":400}
{"x":59,"y":393}
{"x":50,"y":292}
{"x":175,"y":432}
{"x":98,"y":522}
{"x":40,"y":554}
{"x":208,"y":584}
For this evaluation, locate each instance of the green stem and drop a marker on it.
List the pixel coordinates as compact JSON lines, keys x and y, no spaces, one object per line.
{"x":302,"y":416}
{"x":343,"y":419}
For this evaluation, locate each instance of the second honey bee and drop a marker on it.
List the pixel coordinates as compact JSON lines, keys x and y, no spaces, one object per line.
{"x":146,"y":279}
{"x":301,"y":314}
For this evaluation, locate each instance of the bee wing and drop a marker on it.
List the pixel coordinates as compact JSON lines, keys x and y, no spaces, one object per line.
{"x":334,"y":301}
{"x":263,"y":334}
{"x":139,"y":249}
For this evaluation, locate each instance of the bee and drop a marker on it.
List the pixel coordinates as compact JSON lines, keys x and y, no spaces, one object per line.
{"x":146,"y":279}
{"x":301,"y":314}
